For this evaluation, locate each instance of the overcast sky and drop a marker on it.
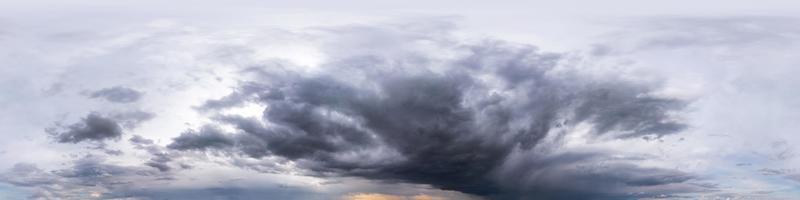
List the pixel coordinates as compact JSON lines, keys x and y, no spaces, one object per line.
{"x":357,"y":100}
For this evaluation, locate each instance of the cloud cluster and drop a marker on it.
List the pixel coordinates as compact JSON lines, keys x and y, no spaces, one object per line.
{"x":89,"y":177}
{"x":161,"y":158}
{"x":411,"y":106}
{"x":483,"y":118}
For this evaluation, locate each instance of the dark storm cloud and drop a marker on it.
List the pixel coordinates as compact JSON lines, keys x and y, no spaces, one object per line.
{"x":457,"y":127}
{"x":117,"y":94}
{"x":98,"y":127}
{"x":594,"y":175}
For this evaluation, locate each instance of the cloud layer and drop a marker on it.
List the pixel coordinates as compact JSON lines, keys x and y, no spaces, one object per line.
{"x":667,"y":108}
{"x":466,"y":122}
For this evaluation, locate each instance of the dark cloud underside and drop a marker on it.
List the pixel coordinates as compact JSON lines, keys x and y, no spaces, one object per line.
{"x":92,"y":128}
{"x":454,"y":124}
{"x":98,"y":127}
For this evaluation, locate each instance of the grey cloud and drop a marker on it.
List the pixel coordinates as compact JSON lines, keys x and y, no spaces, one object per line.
{"x":138,"y":140}
{"x":247,"y":91}
{"x":86,"y":175}
{"x":97,"y":127}
{"x":594,"y":175}
{"x":208,"y":137}
{"x":94,"y":175}
{"x":160,"y":160}
{"x":222,"y":192}
{"x":26,"y":174}
{"x":161,"y":157}
{"x":132,"y":119}
{"x":92,"y":128}
{"x":92,"y":170}
{"x":105,"y":149}
{"x":159,"y":164}
{"x":793,"y":177}
{"x":451,"y":123}
{"x":788,"y":174}
{"x":732,"y":32}
{"x":117,"y":94}
{"x":114,"y":152}
{"x":721,"y":31}
{"x":624,"y":109}
{"x":228,"y":101}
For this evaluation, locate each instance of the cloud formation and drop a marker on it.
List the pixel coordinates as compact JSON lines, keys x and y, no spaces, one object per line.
{"x":117,"y":94}
{"x":291,"y":102}
{"x":91,"y":128}
{"x":97,"y":127}
{"x":376,"y":196}
{"x":88,"y":177}
{"x":466,"y":121}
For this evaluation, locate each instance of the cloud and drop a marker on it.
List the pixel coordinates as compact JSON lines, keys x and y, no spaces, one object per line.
{"x":87,"y":177}
{"x":453,"y":115}
{"x":132,"y":119}
{"x":596,"y":175}
{"x":208,"y":137}
{"x":701,"y":33}
{"x":92,"y":128}
{"x":412,"y":104}
{"x":26,"y":174}
{"x":161,"y":157}
{"x":219,"y":192}
{"x":138,"y":140}
{"x":377,"y":196}
{"x":159,"y":163}
{"x":117,"y":94}
{"x":98,"y":128}
{"x":94,"y":177}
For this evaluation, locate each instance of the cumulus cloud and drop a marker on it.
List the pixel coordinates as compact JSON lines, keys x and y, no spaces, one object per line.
{"x":98,"y":127}
{"x":117,"y":94}
{"x":208,"y":137}
{"x":93,"y":127}
{"x":458,"y":119}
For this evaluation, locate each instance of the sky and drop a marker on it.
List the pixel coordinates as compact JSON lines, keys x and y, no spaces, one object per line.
{"x":411,"y":100}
